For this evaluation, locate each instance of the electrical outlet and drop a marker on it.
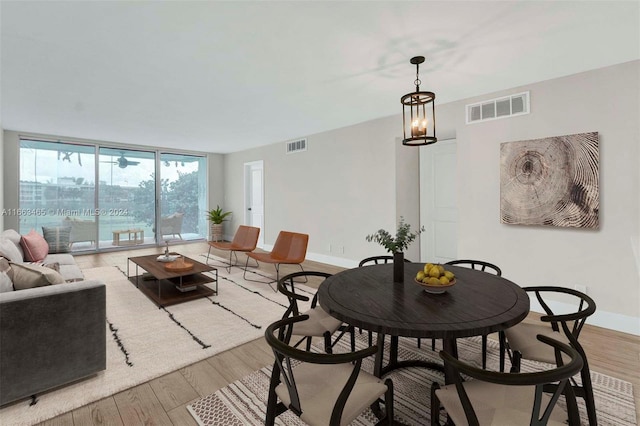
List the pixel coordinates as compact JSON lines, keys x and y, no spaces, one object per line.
{"x":581,"y":288}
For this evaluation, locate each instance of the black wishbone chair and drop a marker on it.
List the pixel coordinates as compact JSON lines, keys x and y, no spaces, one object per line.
{"x":478,"y":265}
{"x":519,"y":341}
{"x":319,"y":323}
{"x":378,"y":260}
{"x":509,"y":398}
{"x":321,"y":389}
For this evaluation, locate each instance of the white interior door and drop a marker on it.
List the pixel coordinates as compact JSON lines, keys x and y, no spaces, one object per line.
{"x":438,"y":202}
{"x":254,"y":197}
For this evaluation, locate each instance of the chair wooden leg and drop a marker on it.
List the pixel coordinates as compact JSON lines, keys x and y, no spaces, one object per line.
{"x":587,"y":389}
{"x":484,"y":351}
{"x":388,"y":402}
{"x":433,"y":344}
{"x":327,"y":342}
{"x":272,"y":402}
{"x":515,"y":362}
{"x":503,"y":349}
{"x":435,"y":405}
{"x":353,"y":338}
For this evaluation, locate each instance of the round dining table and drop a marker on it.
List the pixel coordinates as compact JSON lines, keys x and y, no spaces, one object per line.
{"x":367,"y":297}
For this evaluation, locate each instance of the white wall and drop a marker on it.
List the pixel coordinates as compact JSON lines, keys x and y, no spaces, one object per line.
{"x":338,"y":191}
{"x":605,"y":101}
{"x":344,"y":186}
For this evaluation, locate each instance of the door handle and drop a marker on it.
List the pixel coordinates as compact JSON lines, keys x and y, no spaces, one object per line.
{"x":249,"y":209}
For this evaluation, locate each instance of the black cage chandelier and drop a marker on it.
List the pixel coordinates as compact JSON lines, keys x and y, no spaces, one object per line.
{"x":418,"y":113}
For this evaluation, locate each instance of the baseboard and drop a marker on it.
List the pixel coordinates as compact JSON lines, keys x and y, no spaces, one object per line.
{"x":332,"y":260}
{"x":604,"y":319}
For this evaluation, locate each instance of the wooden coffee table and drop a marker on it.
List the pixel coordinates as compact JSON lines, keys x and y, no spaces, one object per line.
{"x":165,"y":287}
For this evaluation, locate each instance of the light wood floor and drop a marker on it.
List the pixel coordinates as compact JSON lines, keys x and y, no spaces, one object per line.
{"x":163,"y":401}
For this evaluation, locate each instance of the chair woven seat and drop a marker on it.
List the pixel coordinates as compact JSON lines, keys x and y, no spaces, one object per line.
{"x":319,"y":387}
{"x":496,"y":404}
{"x":319,"y":322}
{"x":520,"y":337}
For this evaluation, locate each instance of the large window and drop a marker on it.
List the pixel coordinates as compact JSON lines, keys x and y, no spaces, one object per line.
{"x":125,"y":197}
{"x":57,"y":184}
{"x":126,"y":194}
{"x":183,"y":196}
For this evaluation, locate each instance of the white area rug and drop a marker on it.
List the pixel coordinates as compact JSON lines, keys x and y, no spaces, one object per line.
{"x":244,"y":402}
{"x":145,"y":342}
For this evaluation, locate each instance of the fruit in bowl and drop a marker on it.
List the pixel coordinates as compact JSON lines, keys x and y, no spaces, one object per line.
{"x":435,"y":279}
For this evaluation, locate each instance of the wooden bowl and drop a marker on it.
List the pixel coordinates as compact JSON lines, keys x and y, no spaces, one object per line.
{"x":179,"y":265}
{"x":435,"y":289}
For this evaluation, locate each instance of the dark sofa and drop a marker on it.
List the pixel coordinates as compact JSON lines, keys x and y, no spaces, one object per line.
{"x":51,"y":336}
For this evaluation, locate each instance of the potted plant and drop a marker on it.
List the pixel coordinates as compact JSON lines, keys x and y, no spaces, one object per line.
{"x":217,"y":217}
{"x":396,"y":245}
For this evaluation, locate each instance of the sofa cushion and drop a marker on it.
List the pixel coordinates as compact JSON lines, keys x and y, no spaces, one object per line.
{"x":71,"y":273}
{"x":29,"y":276}
{"x":35,"y":246}
{"x":57,"y":237}
{"x":9,"y":250}
{"x":12,"y":235}
{"x":61,"y":258}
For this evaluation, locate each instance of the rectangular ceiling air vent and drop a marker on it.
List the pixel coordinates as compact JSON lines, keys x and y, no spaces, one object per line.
{"x":296,"y":146}
{"x":492,"y":109}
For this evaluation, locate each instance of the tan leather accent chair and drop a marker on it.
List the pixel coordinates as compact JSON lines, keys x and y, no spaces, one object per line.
{"x":290,"y":248}
{"x":245,"y":240}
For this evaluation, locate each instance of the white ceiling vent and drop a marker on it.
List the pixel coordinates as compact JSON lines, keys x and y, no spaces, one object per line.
{"x":296,"y":146}
{"x":492,"y":109}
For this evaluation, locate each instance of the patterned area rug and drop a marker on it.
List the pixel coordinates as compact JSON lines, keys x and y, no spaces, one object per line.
{"x":145,"y":342}
{"x":244,"y":401}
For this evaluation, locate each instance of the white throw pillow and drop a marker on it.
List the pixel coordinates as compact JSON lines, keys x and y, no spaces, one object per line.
{"x":9,"y":250}
{"x":5,"y":283}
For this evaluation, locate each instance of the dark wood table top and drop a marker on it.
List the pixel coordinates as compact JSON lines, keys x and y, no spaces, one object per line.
{"x":479,"y":303}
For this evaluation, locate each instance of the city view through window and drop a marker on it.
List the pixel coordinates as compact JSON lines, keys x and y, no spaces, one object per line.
{"x":58,"y":188}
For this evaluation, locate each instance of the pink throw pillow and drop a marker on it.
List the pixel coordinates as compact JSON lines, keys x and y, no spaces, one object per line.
{"x":35,"y":246}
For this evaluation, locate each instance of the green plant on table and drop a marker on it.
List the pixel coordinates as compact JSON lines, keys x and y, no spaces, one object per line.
{"x":398,"y":244}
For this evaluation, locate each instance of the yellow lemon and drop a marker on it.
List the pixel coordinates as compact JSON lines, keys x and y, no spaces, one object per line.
{"x":420,"y":275}
{"x":441,"y":269}
{"x":427,"y":267}
{"x":444,"y":280}
{"x":434,"y":272}
{"x":434,"y":281}
{"x":449,"y":275}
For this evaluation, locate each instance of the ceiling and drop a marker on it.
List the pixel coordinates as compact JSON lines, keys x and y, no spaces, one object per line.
{"x":222,"y":77}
